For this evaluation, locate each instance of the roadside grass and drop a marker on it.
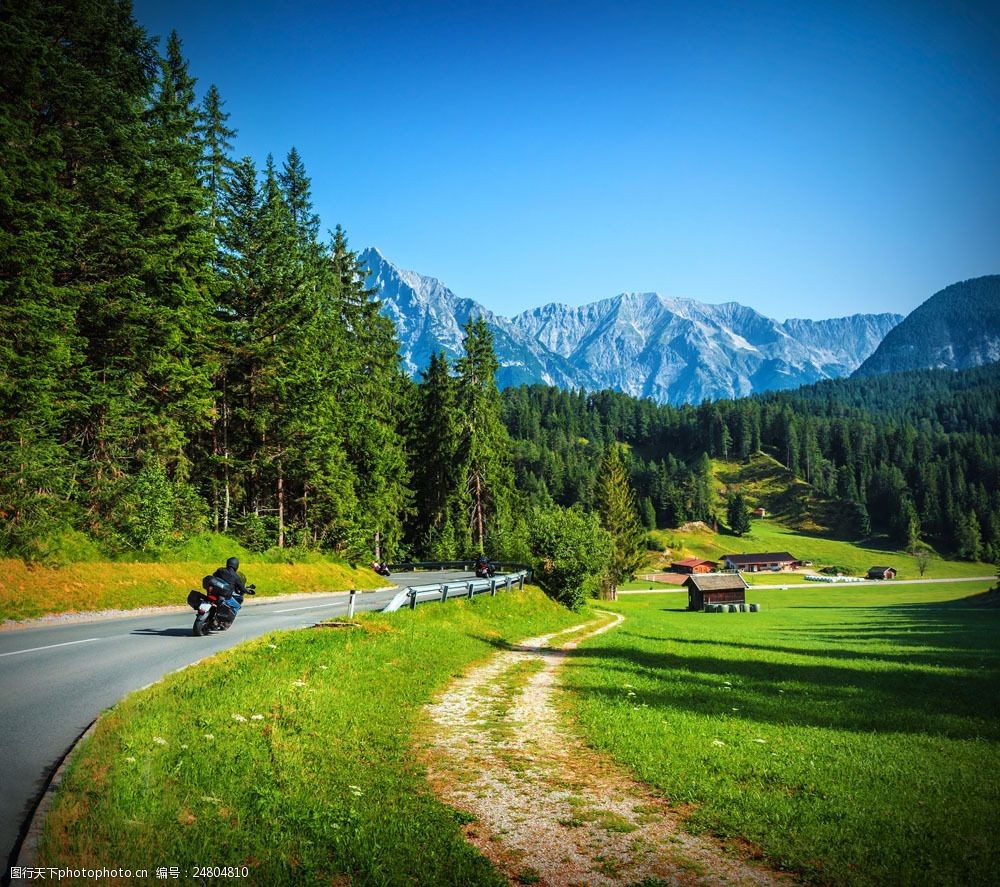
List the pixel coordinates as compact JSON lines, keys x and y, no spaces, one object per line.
{"x":32,"y":590}
{"x":849,"y":734}
{"x":770,"y":535}
{"x":292,"y":754}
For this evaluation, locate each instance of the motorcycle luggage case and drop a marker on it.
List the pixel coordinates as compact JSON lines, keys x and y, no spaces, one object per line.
{"x":194,"y":599}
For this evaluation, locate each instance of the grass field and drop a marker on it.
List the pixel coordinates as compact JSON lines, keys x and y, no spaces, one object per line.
{"x":849,"y":735}
{"x":291,"y":755}
{"x":31,"y":590}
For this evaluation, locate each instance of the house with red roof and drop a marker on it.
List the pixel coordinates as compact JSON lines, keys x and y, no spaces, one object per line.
{"x":693,"y":565}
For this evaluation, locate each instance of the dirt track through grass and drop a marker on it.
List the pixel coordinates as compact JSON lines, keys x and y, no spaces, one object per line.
{"x":545,"y":808}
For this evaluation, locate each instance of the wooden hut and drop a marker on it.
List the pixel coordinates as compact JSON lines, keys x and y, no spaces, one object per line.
{"x":881,"y":573}
{"x":693,"y":565}
{"x":730,"y":588}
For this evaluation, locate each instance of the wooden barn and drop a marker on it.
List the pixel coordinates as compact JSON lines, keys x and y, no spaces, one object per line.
{"x":730,"y":588}
{"x":881,"y":573}
{"x":756,"y":563}
{"x":693,"y":565}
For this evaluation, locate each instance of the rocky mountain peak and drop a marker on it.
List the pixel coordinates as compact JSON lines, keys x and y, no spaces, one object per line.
{"x":670,"y":349}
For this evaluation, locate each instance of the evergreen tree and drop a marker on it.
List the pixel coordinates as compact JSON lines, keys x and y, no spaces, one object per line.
{"x":619,"y":516}
{"x":970,"y":540}
{"x":41,"y":91}
{"x":217,"y":144}
{"x":738,"y":513}
{"x":297,"y":188}
{"x":487,"y":475}
{"x":648,"y":513}
{"x":436,"y":463}
{"x":371,"y":392}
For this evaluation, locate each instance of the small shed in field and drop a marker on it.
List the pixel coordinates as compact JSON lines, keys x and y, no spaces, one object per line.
{"x":729,"y":588}
{"x":760,"y":512}
{"x":693,"y":565}
{"x":881,"y":573}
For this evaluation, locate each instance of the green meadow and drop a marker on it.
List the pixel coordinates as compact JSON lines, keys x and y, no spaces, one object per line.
{"x":850,"y":735}
{"x":847,"y":735}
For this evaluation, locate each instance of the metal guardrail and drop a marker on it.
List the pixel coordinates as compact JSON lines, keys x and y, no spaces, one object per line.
{"x":442,"y":591}
{"x":467,"y":565}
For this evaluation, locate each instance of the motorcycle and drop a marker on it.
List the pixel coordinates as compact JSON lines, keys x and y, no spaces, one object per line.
{"x":217,"y":607}
{"x":381,"y":568}
{"x":485,"y":568}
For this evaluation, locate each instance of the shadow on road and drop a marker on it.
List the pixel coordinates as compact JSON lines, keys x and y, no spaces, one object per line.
{"x":164,"y":632}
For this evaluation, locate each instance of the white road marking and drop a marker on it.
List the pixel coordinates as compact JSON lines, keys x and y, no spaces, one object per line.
{"x":314,"y":607}
{"x":49,"y":647}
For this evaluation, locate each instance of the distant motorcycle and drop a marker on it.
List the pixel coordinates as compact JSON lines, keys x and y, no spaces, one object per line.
{"x":381,"y":568}
{"x":216,"y":607}
{"x":485,"y":568}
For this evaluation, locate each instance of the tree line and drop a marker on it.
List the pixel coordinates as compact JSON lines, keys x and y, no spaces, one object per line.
{"x":914,"y":456}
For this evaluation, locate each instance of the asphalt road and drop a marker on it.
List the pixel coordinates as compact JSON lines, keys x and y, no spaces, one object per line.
{"x":56,"y":678}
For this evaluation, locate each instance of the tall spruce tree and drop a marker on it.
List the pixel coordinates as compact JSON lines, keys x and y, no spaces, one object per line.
{"x":41,"y":96}
{"x":217,"y":144}
{"x":619,"y":515}
{"x":436,"y":463}
{"x":372,"y":392}
{"x":738,"y":513}
{"x":485,"y":450}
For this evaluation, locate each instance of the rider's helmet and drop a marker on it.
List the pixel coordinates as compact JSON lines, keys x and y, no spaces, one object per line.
{"x":233,"y":563}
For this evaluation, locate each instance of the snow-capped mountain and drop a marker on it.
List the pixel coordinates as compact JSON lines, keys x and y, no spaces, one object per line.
{"x":644,"y":344}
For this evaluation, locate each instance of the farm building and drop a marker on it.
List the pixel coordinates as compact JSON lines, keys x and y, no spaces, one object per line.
{"x":693,"y":565}
{"x":881,"y":573}
{"x":760,"y":512}
{"x":725,"y":589}
{"x":755,"y":563}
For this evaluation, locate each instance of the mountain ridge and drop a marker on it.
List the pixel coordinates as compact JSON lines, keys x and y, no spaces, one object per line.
{"x":671,"y":349}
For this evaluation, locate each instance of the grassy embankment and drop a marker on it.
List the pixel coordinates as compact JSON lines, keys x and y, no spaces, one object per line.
{"x":29,"y":591}
{"x":291,"y":755}
{"x":849,"y":734}
{"x":83,"y":580}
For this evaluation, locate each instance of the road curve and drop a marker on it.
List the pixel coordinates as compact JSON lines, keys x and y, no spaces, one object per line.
{"x":57,"y":678}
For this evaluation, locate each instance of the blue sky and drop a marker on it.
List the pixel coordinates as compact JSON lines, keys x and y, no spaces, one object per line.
{"x":805,"y":159}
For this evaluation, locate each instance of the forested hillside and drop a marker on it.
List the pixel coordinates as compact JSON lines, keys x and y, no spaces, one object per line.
{"x":957,"y":328}
{"x":913,"y":456}
{"x":181,"y":347}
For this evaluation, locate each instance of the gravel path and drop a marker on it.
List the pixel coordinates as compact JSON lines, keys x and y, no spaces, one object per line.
{"x":546,"y":808}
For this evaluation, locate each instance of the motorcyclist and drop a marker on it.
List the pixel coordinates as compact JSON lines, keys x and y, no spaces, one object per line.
{"x":484,"y":567}
{"x":230,"y":575}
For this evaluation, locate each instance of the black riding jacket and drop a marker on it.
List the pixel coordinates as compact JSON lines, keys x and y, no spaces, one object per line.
{"x":232,"y":578}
